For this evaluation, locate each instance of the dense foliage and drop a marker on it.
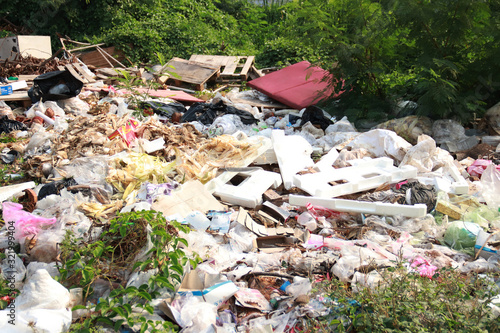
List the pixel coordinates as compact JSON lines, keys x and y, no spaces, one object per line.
{"x":441,"y":54}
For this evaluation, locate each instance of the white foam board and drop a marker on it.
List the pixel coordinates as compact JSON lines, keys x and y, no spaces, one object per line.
{"x":249,"y":192}
{"x":364,"y":207}
{"x":364,"y":175}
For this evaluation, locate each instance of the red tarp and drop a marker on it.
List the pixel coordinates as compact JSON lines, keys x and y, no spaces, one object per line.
{"x":296,"y":86}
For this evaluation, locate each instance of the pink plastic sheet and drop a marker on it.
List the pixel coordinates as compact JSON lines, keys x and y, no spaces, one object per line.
{"x":25,"y":224}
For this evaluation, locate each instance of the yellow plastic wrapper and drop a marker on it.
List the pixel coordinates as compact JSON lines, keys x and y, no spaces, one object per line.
{"x":129,"y":171}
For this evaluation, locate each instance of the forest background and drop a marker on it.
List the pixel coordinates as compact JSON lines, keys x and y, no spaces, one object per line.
{"x":441,"y":54}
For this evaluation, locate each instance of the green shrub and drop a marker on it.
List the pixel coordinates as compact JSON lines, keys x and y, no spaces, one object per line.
{"x":407,"y":302}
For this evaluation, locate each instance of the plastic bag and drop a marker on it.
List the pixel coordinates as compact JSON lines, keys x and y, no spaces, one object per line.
{"x":228,"y":124}
{"x":7,"y":125}
{"x":490,"y":181}
{"x":206,"y":113}
{"x":343,"y":125}
{"x":461,"y":235}
{"x":409,"y":128}
{"x":196,"y":316}
{"x":13,"y":273}
{"x":300,"y":286}
{"x":54,"y":86}
{"x":24,"y":223}
{"x":42,"y":306}
{"x":74,"y":105}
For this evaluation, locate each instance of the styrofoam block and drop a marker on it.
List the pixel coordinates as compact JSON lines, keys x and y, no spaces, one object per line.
{"x":460,"y":186}
{"x":353,"y":206}
{"x":293,"y":153}
{"x":365,"y":175}
{"x":249,"y":192}
{"x":7,"y":191}
{"x":263,"y":144}
{"x":269,"y":157}
{"x":326,"y":162}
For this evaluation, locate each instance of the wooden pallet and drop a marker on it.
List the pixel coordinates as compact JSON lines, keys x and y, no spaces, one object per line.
{"x":77,"y":71}
{"x":192,"y":72}
{"x":233,"y":68}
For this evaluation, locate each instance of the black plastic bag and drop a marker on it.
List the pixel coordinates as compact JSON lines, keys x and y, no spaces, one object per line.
{"x":315,"y":115}
{"x":206,"y":113}
{"x":7,"y":125}
{"x":163,"y":109}
{"x":53,"y":86}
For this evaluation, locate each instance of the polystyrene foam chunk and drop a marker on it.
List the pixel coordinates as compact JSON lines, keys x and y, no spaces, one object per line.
{"x":7,"y":191}
{"x":364,"y":175}
{"x":326,"y":162}
{"x":263,"y":144}
{"x":293,"y":153}
{"x":249,"y":192}
{"x":353,"y":206}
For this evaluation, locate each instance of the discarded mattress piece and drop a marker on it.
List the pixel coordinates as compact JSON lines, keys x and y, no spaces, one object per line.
{"x":297,"y":86}
{"x":363,"y":175}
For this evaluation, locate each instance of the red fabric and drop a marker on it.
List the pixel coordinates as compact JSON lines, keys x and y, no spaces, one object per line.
{"x":296,"y":86}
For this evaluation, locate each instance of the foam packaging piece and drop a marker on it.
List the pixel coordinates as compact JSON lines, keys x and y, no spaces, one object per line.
{"x":293,"y":153}
{"x":364,"y":207}
{"x":362,"y":176}
{"x":249,"y":192}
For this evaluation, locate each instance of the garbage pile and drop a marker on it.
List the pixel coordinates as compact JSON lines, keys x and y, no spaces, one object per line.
{"x":264,"y":203}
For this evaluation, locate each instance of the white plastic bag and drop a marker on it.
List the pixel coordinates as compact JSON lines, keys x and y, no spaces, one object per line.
{"x":490,"y":181}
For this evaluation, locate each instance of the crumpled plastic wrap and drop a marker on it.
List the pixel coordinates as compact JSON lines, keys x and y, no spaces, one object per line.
{"x":25,"y":223}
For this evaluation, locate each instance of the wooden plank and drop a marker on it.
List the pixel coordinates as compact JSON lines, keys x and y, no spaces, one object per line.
{"x":248,"y":64}
{"x":96,"y":59}
{"x":230,"y":67}
{"x":79,"y":68}
{"x":192,"y":72}
{"x":16,"y":96}
{"x":70,"y":68}
{"x":61,"y":68}
{"x":27,"y":77}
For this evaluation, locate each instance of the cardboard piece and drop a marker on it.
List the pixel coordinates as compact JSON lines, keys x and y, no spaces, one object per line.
{"x":192,"y":195}
{"x":273,"y":244}
{"x":297,"y":86}
{"x":245,"y":219}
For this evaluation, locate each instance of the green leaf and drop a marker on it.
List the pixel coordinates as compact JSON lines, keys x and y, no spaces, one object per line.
{"x":145,"y":295}
{"x":118,"y":324}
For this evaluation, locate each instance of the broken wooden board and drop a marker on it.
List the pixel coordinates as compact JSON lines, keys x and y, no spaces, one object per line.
{"x":233,"y":68}
{"x":17,"y":96}
{"x":192,"y":72}
{"x":98,"y":60}
{"x":77,"y":71}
